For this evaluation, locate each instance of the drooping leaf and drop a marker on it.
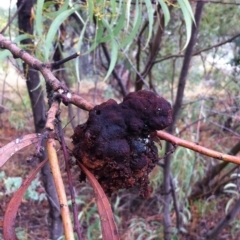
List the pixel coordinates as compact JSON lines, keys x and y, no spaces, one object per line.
{"x":53,"y":30}
{"x":39,"y":17}
{"x":119,"y":24}
{"x":98,"y":37}
{"x":114,"y":50}
{"x":113,"y":7}
{"x":136,"y":25}
{"x":13,"y":205}
{"x":166,"y":12}
{"x":189,"y":8}
{"x":128,"y":12}
{"x":187,"y":15}
{"x":77,"y":61}
{"x":11,"y":148}
{"x":109,"y":227}
{"x":90,"y":6}
{"x":63,"y":8}
{"x":150,"y":13}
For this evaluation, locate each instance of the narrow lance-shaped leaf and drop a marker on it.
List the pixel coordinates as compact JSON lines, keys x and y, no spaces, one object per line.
{"x":150,"y":12}
{"x":11,"y":148}
{"x":98,"y":37}
{"x":119,"y":25}
{"x":128,"y":12}
{"x":188,"y":21}
{"x":13,"y":205}
{"x":189,"y":8}
{"x":39,"y":17}
{"x":63,"y":8}
{"x":136,"y":25}
{"x":79,"y":49}
{"x":90,"y":6}
{"x":53,"y":30}
{"x":113,"y":7}
{"x":114,"y":50}
{"x":166,"y":12}
{"x":109,"y":227}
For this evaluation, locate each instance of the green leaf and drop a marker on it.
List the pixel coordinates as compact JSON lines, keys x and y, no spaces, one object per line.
{"x":38,"y":19}
{"x":113,"y":7}
{"x":98,"y":37}
{"x":188,"y":20}
{"x":77,"y":62}
{"x":53,"y":30}
{"x":119,"y":25}
{"x":128,"y":11}
{"x":114,"y":49}
{"x":63,"y":8}
{"x":189,"y":8}
{"x":150,"y":12}
{"x":90,"y":5}
{"x":166,"y":12}
{"x":136,"y":25}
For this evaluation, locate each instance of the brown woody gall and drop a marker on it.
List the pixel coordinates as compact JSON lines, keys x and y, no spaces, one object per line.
{"x":117,"y":142}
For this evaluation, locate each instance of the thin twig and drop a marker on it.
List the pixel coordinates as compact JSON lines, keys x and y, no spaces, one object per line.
{"x":13,"y":17}
{"x":198,"y":52}
{"x":62,"y":61}
{"x":175,"y":203}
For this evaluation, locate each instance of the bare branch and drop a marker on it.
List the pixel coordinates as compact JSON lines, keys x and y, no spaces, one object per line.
{"x":197,"y":148}
{"x":198,"y":52}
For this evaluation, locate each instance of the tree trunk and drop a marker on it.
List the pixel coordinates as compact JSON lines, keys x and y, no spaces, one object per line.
{"x":25,"y":22}
{"x":176,"y":110}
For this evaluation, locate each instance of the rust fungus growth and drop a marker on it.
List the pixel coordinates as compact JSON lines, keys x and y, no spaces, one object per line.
{"x":117,"y":142}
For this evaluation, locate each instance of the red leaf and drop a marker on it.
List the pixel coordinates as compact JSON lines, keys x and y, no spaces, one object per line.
{"x":109,"y":227}
{"x":8,"y":150}
{"x":13,"y":205}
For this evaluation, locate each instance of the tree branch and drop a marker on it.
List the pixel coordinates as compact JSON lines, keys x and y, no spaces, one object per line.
{"x":198,"y":52}
{"x":51,"y":80}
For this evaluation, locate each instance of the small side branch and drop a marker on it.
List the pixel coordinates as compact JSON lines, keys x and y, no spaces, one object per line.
{"x":197,"y":148}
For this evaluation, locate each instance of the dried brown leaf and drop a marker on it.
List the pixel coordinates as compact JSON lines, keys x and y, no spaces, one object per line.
{"x":11,"y":148}
{"x":13,"y":205}
{"x":109,"y":227}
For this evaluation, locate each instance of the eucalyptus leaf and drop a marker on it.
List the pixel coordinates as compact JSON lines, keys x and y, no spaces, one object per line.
{"x":150,"y":12}
{"x":39,"y":17}
{"x":63,"y":8}
{"x":166,"y":12}
{"x":188,"y":20}
{"x":114,"y":50}
{"x":53,"y":30}
{"x":136,"y":25}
